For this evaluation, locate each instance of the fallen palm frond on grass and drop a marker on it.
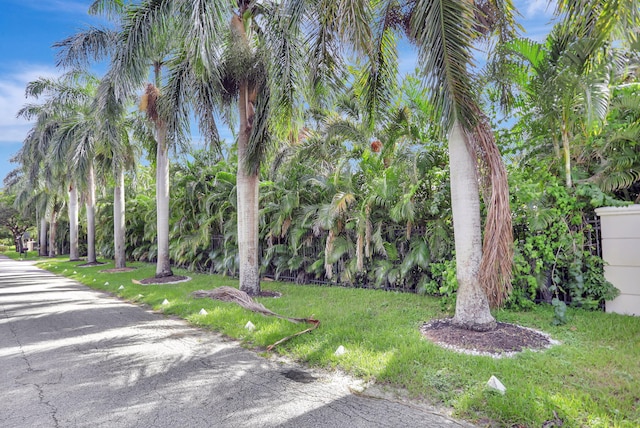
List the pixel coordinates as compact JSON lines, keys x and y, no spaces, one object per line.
{"x":230,"y":294}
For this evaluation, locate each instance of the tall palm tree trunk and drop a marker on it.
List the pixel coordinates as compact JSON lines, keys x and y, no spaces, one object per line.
{"x":91,"y":215}
{"x":247,"y":193}
{"x":53,"y":226}
{"x":73,"y":223}
{"x":42,"y":250}
{"x":163,"y":265}
{"x":119,"y":220}
{"x":472,"y":306}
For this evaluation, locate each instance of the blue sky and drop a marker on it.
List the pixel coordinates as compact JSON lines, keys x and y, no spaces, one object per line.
{"x":28,"y":28}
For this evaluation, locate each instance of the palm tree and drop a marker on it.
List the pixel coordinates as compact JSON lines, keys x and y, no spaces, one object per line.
{"x":26,"y":181}
{"x":203,"y":207}
{"x":72,"y":147}
{"x":443,"y":32}
{"x":380,"y":163}
{"x":45,"y":151}
{"x":152,"y":93}
{"x":483,"y":268}
{"x":565,"y":88}
{"x":128,"y":75}
{"x":76,"y":146}
{"x":569,"y":74}
{"x":118,"y":153}
{"x":109,"y":109}
{"x":254,"y":54}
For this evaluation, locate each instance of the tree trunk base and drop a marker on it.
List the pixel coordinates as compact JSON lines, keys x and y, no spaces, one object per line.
{"x":164,"y":274}
{"x":251,"y":291}
{"x":474,"y":325}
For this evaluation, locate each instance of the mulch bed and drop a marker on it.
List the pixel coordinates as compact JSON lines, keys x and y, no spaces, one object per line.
{"x":117,"y":270}
{"x":173,"y":279}
{"x":505,"y":340}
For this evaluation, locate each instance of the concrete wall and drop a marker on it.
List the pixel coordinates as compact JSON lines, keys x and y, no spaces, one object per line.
{"x":621,"y":253}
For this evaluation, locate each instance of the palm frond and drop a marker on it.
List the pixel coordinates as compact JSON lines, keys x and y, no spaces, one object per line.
{"x":207,"y":102}
{"x":347,"y":131}
{"x":261,"y":140}
{"x":496,"y":17}
{"x":326,"y":68}
{"x":353,"y":23}
{"x":38,"y":87}
{"x":29,"y":111}
{"x":172,"y":108}
{"x":377,"y":83}
{"x":142,"y":39}
{"x":111,"y":9}
{"x":598,"y":19}
{"x":616,"y":180}
{"x":80,"y":49}
{"x":443,"y":33}
{"x":204,"y":31}
{"x":283,"y":44}
{"x":596,"y":93}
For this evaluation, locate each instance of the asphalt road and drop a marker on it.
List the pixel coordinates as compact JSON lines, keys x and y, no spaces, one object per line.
{"x":74,"y":357}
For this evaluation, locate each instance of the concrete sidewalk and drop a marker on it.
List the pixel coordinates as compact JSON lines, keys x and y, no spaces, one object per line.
{"x":74,"y":357}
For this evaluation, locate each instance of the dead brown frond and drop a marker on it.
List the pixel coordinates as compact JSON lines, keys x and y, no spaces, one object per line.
{"x":497,"y":248}
{"x":149,"y":102}
{"x":230,"y":294}
{"x":486,"y":16}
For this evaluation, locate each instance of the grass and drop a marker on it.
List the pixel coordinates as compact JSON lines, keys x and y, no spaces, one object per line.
{"x":592,"y":379}
{"x":29,"y":255}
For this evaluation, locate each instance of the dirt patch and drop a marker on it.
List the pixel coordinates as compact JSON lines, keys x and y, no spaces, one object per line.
{"x":117,"y":270}
{"x":505,"y":340}
{"x":173,"y":279}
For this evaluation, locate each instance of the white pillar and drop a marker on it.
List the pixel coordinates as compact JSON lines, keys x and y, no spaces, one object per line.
{"x":621,"y":254}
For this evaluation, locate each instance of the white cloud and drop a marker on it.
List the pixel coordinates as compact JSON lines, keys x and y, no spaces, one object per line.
{"x":535,"y":7}
{"x":12,"y":99}
{"x":532,"y":9}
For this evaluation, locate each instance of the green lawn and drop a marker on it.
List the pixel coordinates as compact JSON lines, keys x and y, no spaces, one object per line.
{"x":592,"y":379}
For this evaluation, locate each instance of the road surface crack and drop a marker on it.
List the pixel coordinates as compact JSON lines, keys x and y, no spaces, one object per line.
{"x":15,"y":337}
{"x":53,"y":410}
